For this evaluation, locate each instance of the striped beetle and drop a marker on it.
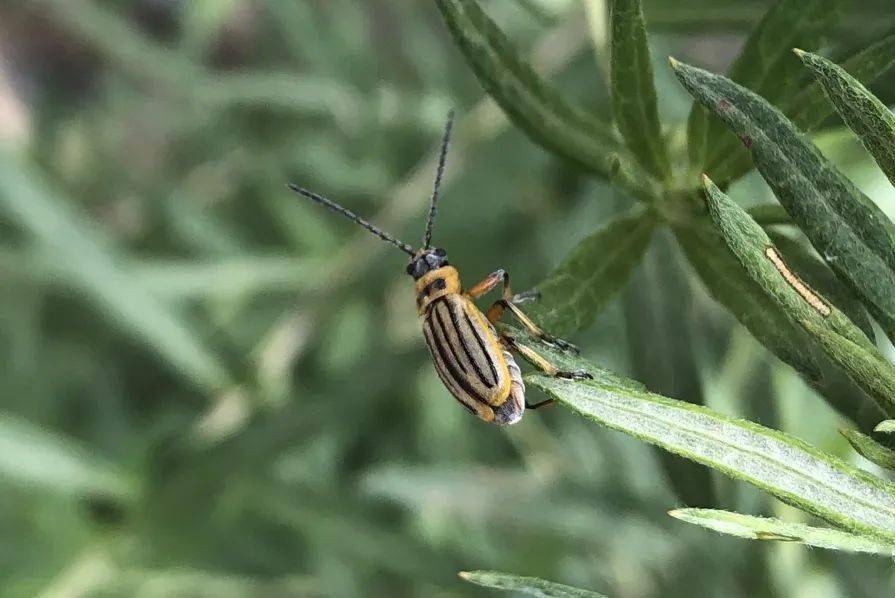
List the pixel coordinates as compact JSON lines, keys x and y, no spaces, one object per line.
{"x":471,"y":357}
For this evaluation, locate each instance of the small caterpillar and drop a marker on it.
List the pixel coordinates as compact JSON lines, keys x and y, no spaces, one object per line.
{"x":796,"y":283}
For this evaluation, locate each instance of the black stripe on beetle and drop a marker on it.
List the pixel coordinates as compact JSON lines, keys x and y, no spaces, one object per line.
{"x":462,"y":337}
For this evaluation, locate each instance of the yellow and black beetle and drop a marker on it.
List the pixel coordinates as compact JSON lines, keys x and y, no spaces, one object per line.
{"x":472,"y":359}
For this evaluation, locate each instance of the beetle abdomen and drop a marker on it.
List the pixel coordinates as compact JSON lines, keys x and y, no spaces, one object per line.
{"x":511,"y":410}
{"x":467,"y":354}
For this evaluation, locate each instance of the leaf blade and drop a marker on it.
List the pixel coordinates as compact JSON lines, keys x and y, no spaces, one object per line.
{"x":730,"y":285}
{"x":69,"y":238}
{"x":849,"y":231}
{"x":762,"y":260}
{"x":536,"y":107}
{"x":531,"y":586}
{"x":870,"y":449}
{"x":764,"y":528}
{"x":573,"y":293}
{"x":786,"y":467}
{"x":809,"y":108}
{"x":765,"y":66}
{"x":34,"y":457}
{"x":634,"y":101}
{"x":863,"y":112}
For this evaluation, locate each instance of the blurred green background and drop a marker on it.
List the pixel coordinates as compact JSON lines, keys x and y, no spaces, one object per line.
{"x":211,"y":387}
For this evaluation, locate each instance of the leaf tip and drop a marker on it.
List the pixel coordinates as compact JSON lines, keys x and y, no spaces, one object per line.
{"x":465,"y":575}
{"x":800,"y":53}
{"x":674,"y":62}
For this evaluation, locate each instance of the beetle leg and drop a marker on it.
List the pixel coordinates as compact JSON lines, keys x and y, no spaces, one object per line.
{"x":543,"y":403}
{"x":509,"y":301}
{"x":543,"y":364}
{"x":491,"y":281}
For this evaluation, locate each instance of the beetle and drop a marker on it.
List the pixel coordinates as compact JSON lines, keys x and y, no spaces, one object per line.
{"x":474,"y":361}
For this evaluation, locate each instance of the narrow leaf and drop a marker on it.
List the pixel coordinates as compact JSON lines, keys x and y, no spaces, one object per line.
{"x":886,"y":426}
{"x":848,"y":230}
{"x":35,"y":458}
{"x":84,"y":261}
{"x":870,"y":449}
{"x":764,"y":65}
{"x":809,"y":108}
{"x":817,"y":275}
{"x":763,"y":528}
{"x":535,"y":106}
{"x":765,"y":265}
{"x":728,"y":283}
{"x":633,"y":90}
{"x":790,"y":469}
{"x":869,"y":118}
{"x":769,"y":214}
{"x":530,"y":586}
{"x":576,"y":290}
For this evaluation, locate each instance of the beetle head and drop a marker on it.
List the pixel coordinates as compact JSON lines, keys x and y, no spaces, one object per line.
{"x":426,"y":260}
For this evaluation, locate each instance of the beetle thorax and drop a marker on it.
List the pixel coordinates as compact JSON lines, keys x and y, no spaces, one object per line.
{"x":436,"y":284}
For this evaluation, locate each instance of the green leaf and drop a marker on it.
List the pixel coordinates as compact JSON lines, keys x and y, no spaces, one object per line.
{"x":763,"y":528}
{"x":35,"y":458}
{"x":764,"y":65}
{"x":88,"y":265}
{"x":531,"y":586}
{"x":536,"y":107}
{"x":576,"y":290}
{"x":817,"y":275}
{"x":633,"y":91}
{"x":765,"y":265}
{"x":786,"y":467}
{"x":886,"y":426}
{"x":870,"y":449}
{"x":869,"y":118}
{"x":849,"y":231}
{"x":809,"y":108}
{"x":769,"y":214}
{"x":728,"y":283}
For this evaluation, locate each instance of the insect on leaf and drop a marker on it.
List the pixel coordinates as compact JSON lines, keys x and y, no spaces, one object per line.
{"x":869,"y":118}
{"x":849,"y":231}
{"x":786,"y":467}
{"x":764,"y":528}
{"x":593,"y":272}
{"x":529,"y":586}
{"x":633,"y":89}
{"x":766,"y":266}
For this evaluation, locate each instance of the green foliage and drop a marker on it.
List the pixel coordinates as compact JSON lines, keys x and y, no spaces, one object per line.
{"x":529,"y":586}
{"x":786,"y":467}
{"x":870,"y":448}
{"x":212,"y":388}
{"x":862,"y":111}
{"x":581,"y":286}
{"x":764,"y":528}
{"x":765,"y":66}
{"x":765,"y":265}
{"x":633,"y":92}
{"x":850,"y":232}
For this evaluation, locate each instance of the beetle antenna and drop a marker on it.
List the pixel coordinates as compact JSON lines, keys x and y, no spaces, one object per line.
{"x":442,"y":158}
{"x":352,"y":216}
